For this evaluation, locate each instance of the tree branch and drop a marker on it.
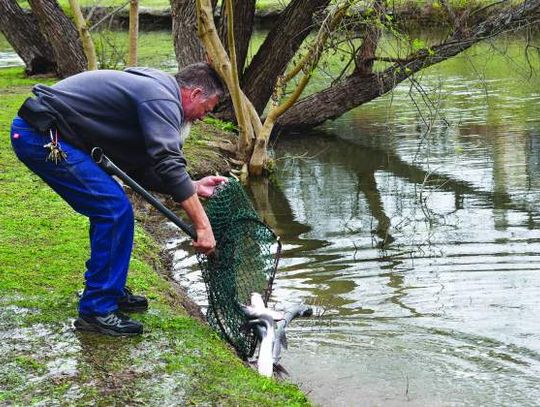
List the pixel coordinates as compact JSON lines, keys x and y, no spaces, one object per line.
{"x":356,"y":90}
{"x":84,"y":33}
{"x":364,"y":57}
{"x":307,"y":66}
{"x":310,"y":61}
{"x":223,"y":65}
{"x":112,"y":13}
{"x":278,"y":48}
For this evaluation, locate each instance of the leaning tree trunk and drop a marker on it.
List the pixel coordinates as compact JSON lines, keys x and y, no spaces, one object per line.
{"x":63,"y":36}
{"x":358,"y":89}
{"x":187,"y":46}
{"x":20,"y":29}
{"x":277,"y":50}
{"x":244,"y":17}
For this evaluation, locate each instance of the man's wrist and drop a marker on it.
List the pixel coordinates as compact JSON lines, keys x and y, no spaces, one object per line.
{"x":196,"y":186}
{"x":196,"y":212}
{"x":203,"y":227}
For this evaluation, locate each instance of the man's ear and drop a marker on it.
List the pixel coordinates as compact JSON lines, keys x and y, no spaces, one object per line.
{"x":195,"y":93}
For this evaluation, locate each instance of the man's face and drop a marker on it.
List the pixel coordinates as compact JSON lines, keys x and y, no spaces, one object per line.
{"x":196,"y":105}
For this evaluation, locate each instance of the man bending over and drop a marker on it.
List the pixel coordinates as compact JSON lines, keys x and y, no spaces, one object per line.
{"x":136,"y":116}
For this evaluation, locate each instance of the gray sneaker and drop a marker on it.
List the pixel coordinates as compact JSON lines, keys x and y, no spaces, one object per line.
{"x":114,"y":324}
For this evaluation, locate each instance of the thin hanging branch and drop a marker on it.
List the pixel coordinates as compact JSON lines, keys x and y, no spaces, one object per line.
{"x":310,"y":61}
{"x":112,"y":13}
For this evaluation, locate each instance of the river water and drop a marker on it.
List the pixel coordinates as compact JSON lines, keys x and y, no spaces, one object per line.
{"x":413,"y":229}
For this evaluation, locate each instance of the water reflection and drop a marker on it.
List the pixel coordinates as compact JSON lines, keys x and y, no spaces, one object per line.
{"x":462,"y":264}
{"x":426,"y":254}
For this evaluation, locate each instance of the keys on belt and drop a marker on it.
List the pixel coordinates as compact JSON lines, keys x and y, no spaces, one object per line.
{"x":56,"y":154}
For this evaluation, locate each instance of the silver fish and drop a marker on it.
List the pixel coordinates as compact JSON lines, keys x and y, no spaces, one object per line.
{"x":272,"y":341}
{"x":264,"y":319}
{"x":280,"y":340}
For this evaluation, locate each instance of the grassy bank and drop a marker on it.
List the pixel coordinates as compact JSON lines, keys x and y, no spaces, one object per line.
{"x":43,"y":247}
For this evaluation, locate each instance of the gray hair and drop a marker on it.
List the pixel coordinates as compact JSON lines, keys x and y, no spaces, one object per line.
{"x":203,"y":76}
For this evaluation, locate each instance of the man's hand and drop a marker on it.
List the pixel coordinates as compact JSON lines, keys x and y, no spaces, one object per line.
{"x":206,"y":242}
{"x":206,"y":185}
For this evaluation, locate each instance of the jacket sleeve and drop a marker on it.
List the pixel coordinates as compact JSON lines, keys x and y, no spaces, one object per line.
{"x":160,"y":121}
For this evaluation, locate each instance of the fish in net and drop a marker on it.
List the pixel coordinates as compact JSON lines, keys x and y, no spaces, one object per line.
{"x":246,"y":259}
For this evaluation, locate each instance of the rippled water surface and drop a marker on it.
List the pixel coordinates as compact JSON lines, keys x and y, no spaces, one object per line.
{"x":417,"y":238}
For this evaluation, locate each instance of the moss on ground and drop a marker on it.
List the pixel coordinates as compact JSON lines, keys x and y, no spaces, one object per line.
{"x":43,"y":247}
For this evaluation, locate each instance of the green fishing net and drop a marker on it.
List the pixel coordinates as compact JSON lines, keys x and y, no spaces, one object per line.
{"x":247,"y":254}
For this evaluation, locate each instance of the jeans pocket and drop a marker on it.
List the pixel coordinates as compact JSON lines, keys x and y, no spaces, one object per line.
{"x":28,"y":143}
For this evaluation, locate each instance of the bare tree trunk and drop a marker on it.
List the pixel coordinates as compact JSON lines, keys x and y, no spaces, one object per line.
{"x":62,"y":35}
{"x":87,"y":43}
{"x":20,"y":29}
{"x":187,"y":46}
{"x":357,"y":89}
{"x":133,"y":31}
{"x":279,"y":47}
{"x":244,"y":18}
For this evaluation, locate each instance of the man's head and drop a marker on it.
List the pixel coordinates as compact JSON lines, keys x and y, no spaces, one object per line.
{"x":201,"y":88}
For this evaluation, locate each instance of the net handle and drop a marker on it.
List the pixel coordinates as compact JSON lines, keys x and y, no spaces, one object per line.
{"x":106,"y":164}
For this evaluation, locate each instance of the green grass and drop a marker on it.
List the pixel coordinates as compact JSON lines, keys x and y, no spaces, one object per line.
{"x":43,"y":247}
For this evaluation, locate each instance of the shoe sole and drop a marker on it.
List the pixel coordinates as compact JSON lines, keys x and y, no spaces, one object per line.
{"x":82,"y":325}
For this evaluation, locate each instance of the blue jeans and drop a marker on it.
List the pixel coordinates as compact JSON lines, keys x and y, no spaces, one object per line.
{"x":92,"y":192}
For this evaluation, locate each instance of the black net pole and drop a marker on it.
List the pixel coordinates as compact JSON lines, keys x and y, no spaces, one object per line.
{"x":106,"y":164}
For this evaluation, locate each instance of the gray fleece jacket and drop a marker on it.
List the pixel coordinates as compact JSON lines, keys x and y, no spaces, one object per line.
{"x":135,"y":116}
